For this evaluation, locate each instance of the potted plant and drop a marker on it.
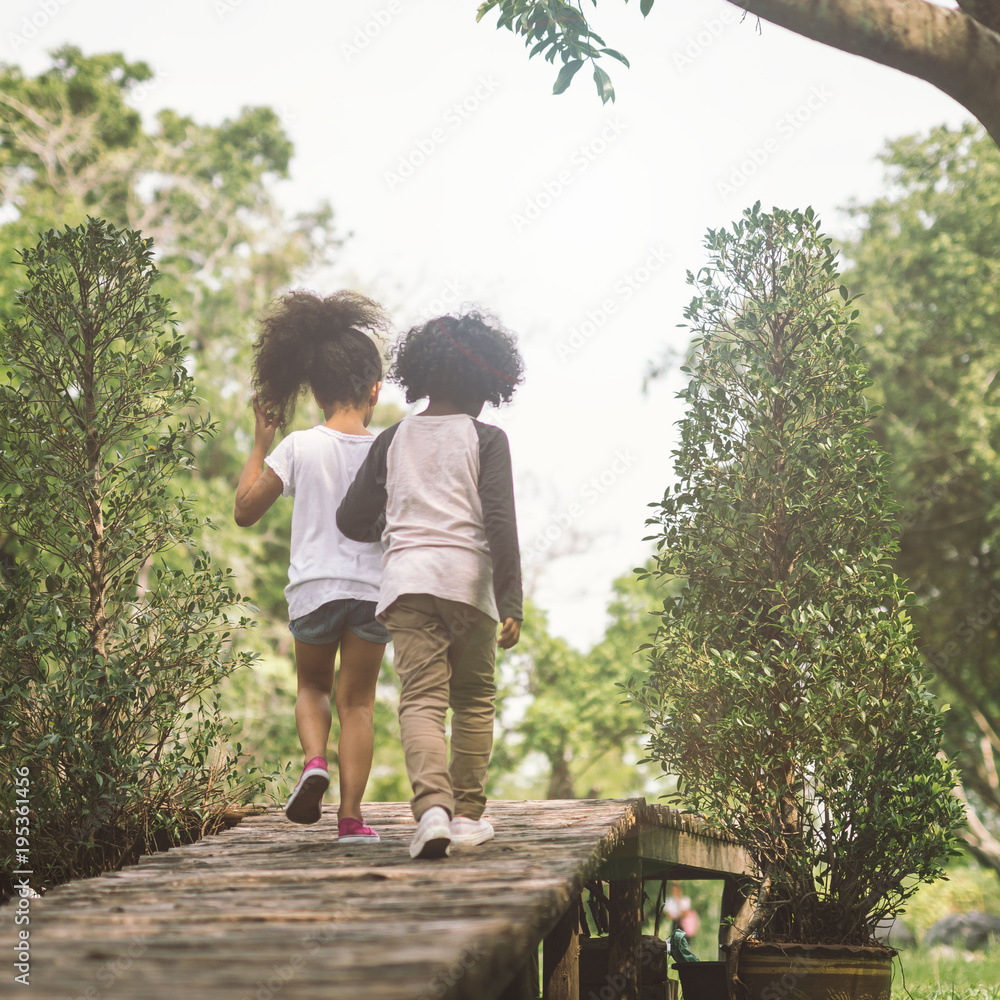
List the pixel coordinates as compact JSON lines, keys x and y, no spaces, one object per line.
{"x":785,"y":688}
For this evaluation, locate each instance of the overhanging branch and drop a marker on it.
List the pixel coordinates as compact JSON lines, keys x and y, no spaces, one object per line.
{"x":952,"y":50}
{"x":984,"y":11}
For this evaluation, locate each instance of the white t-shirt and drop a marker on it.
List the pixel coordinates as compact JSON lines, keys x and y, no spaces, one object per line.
{"x":316,"y":467}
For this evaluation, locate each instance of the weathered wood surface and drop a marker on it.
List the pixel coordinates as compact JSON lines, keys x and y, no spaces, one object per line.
{"x":269,"y":909}
{"x":670,"y":844}
{"x":561,"y":957}
{"x":625,"y":946}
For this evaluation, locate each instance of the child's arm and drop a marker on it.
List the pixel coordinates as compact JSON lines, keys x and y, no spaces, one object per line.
{"x":361,"y":514}
{"x":496,"y":494}
{"x":510,"y":633}
{"x":259,"y":487}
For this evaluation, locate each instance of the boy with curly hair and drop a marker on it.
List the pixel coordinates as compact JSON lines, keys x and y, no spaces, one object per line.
{"x":437,"y":489}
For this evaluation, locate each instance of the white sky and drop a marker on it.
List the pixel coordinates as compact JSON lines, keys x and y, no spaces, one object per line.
{"x":464,"y":180}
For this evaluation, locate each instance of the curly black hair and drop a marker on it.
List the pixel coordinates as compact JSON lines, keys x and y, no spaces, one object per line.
{"x":465,"y":356}
{"x":309,"y":342}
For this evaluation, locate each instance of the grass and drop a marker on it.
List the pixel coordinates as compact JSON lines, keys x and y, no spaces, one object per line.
{"x":945,"y":974}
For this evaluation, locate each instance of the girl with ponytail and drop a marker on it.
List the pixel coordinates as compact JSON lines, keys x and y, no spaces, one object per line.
{"x":323,"y":346}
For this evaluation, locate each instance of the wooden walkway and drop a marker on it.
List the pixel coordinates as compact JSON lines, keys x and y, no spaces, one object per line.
{"x":268,"y":909}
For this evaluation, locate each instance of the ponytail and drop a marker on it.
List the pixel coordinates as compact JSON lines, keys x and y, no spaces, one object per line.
{"x":308,"y":342}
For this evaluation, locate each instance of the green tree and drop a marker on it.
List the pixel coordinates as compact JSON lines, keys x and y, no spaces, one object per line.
{"x":71,"y":144}
{"x":108,"y":682}
{"x":785,"y":684}
{"x":958,"y":51}
{"x":928,"y":263}
{"x":568,"y":707}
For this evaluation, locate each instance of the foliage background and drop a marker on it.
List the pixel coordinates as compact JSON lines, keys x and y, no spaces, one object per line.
{"x":656,"y":177}
{"x":927,"y":263}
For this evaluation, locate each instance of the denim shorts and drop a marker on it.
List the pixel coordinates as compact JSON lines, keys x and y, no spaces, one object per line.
{"x":327,"y":623}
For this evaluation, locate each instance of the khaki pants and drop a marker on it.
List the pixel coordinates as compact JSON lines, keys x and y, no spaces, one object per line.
{"x":444,"y":653}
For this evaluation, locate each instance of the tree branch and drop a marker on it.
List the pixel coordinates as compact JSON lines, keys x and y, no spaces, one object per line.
{"x":984,"y":11}
{"x":952,"y":50}
{"x":983,"y":845}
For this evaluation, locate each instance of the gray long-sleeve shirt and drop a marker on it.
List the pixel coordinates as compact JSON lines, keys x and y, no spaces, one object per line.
{"x":439,"y":493}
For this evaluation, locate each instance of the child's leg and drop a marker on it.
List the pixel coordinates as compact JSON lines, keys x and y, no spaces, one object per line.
{"x":314,"y":672}
{"x":420,"y":642}
{"x":473,"y":694}
{"x":357,"y":678}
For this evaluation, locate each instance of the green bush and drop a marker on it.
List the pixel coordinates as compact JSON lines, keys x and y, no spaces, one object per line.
{"x":969,"y":886}
{"x":114,"y":631}
{"x":784,"y":687}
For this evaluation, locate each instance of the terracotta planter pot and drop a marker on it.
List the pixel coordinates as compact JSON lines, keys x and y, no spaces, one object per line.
{"x":814,"y":972}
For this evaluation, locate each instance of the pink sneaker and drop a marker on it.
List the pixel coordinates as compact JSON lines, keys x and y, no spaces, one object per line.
{"x":354,"y":831}
{"x":305,"y":804}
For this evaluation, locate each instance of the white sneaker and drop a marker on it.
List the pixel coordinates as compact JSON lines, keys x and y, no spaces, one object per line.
{"x":433,"y":836}
{"x":467,"y":832}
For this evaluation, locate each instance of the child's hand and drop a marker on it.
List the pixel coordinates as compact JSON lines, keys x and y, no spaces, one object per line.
{"x":265,"y":424}
{"x":510,"y":632}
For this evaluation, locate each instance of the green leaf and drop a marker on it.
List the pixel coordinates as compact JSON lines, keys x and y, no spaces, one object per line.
{"x":566,"y":75}
{"x":616,"y":55}
{"x":604,"y":87}
{"x":485,"y":8}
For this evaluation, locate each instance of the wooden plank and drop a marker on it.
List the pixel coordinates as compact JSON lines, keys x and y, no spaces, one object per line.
{"x":667,"y":852}
{"x":625,"y":909}
{"x":271,"y":903}
{"x":524,"y":985}
{"x":268,"y":906}
{"x":561,"y":957}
